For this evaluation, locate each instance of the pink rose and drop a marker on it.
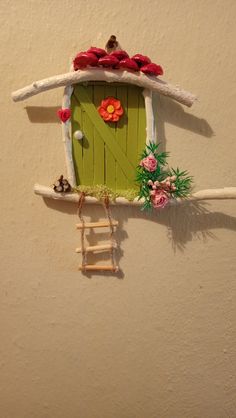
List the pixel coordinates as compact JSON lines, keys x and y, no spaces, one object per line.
{"x":159,"y":198}
{"x":149,"y":163}
{"x":64,"y":114}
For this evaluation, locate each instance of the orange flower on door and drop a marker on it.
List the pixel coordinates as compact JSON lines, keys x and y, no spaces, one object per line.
{"x":110,"y":109}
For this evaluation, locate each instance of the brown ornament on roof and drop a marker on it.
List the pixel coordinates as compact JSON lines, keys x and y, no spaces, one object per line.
{"x":112,"y":44}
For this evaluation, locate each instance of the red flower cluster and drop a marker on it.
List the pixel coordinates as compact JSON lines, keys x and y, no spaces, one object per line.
{"x":98,"y":57}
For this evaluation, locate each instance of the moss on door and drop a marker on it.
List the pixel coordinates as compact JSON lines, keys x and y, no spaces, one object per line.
{"x":109,"y":152}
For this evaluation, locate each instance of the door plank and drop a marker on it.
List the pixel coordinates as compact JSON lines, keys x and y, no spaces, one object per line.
{"x":109,"y":157}
{"x":88,"y":166}
{"x":132,"y":134}
{"x":99,"y":146}
{"x":141,"y":126}
{"x":121,"y":136}
{"x":77,"y":146}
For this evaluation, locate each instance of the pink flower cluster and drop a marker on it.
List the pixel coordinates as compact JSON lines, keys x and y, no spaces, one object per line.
{"x":160,"y":191}
{"x":149,"y":163}
{"x":168,"y":184}
{"x":159,"y":198}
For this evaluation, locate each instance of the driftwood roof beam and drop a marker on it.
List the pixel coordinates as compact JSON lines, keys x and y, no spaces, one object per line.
{"x":99,"y":74}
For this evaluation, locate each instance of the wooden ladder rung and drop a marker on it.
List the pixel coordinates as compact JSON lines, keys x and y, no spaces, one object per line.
{"x":101,"y":224}
{"x":94,"y":267}
{"x":94,"y":248}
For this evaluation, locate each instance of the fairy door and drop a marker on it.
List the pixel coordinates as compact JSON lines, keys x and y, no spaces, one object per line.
{"x":109,"y":152}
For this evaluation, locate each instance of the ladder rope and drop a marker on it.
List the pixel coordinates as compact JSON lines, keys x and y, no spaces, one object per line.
{"x":112,"y":239}
{"x":83,"y":247}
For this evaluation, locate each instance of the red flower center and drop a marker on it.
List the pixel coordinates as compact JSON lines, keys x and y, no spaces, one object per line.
{"x":110,"y":109}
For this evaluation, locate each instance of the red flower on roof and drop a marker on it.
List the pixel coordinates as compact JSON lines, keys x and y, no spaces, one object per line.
{"x":110,"y":109}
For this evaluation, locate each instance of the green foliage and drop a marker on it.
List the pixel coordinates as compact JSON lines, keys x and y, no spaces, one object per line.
{"x":100,"y":191}
{"x":183,"y":182}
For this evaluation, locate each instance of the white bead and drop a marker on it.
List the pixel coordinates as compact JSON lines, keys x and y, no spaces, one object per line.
{"x":78,"y":135}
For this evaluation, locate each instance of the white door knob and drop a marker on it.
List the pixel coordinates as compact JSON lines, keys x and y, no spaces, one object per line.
{"x":78,"y":135}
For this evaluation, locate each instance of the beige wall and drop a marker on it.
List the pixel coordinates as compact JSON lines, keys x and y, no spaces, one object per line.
{"x":159,"y":342}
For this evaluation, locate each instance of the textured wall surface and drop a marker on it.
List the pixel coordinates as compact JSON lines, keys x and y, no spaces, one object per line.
{"x":158,"y":341}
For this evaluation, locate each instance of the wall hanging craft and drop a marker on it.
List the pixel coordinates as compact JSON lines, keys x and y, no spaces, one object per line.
{"x":109,"y":137}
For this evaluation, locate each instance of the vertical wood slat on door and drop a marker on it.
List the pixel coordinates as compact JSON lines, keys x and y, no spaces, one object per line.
{"x":121,"y":136}
{"x":77,"y":146}
{"x":88,"y":164}
{"x":141,"y":126}
{"x":99,"y":146}
{"x":110,"y":160}
{"x":132,"y":134}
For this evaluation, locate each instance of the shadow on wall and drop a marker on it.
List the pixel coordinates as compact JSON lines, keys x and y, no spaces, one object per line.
{"x":184,"y":222}
{"x":168,"y":111}
{"x":43,"y":114}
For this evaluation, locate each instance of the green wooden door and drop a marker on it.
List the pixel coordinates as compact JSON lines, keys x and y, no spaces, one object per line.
{"x":109,"y":152}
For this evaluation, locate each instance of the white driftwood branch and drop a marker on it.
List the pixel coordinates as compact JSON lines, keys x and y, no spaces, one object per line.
{"x":150,"y":127}
{"x":210,"y":194}
{"x":214,"y":194}
{"x":99,"y":74}
{"x":66,"y":138}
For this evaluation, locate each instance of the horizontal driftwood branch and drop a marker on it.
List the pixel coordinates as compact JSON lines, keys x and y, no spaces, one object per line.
{"x":99,"y":74}
{"x":210,"y":194}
